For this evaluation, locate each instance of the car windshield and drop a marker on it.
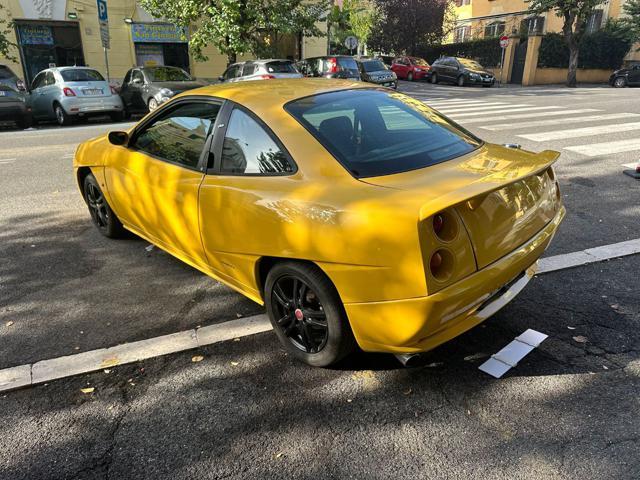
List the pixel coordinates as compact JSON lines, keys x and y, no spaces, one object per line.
{"x":373,"y":66}
{"x":419,"y":61}
{"x":281,"y":67}
{"x":470,"y":64}
{"x":81,"y":75}
{"x":5,"y":73}
{"x":374,"y":132}
{"x":167,"y":74}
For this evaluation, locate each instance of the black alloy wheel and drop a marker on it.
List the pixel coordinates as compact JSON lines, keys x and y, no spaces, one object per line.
{"x":620,"y":82}
{"x":101,"y":214}
{"x":307,"y":314}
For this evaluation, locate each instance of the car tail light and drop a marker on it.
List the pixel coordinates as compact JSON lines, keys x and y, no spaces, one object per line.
{"x":441,"y":265}
{"x":68,"y":92}
{"x":333,"y":65}
{"x":266,"y":77}
{"x":445,"y":226}
{"x":113,"y":90}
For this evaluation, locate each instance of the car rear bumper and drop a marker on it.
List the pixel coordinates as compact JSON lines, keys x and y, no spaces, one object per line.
{"x":421,"y":75}
{"x":420,"y":324}
{"x":481,"y":81}
{"x":13,"y":110}
{"x":92,"y":106}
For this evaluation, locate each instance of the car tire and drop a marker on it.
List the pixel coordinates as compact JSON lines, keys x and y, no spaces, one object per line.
{"x":102,"y":216}
{"x":307,"y":314}
{"x":117,"y":116}
{"x":62,"y":117}
{"x":152,"y":105}
{"x":434,"y":78}
{"x":620,"y":82}
{"x":410,"y":77}
{"x":460,"y":81}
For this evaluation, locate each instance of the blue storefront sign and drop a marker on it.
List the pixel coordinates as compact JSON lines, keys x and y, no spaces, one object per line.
{"x":35,"y":35}
{"x":158,"y":33}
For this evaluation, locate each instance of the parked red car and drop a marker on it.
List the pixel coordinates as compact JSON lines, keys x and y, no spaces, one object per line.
{"x":411,"y":68}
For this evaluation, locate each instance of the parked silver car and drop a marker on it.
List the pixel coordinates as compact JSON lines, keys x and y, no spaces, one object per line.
{"x":260,"y":70}
{"x":67,"y":93}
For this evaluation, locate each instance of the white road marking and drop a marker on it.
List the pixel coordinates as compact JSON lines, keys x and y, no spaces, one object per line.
{"x":606,"y":148}
{"x":526,"y":115}
{"x":632,"y":166}
{"x":5,"y":161}
{"x":457,"y":102}
{"x":94,"y":360}
{"x":560,"y":121}
{"x":581,"y":132}
{"x":500,"y":112}
{"x":476,"y":108}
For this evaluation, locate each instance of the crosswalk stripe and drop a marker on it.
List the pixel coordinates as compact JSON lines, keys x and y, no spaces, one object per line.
{"x":606,"y":148}
{"x":499,"y":112}
{"x":489,"y":106}
{"x":458,"y":102}
{"x":527,"y":115}
{"x":559,"y":121}
{"x":581,"y":132}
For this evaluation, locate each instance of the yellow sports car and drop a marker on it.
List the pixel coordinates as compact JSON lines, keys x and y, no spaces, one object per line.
{"x":356,"y":214}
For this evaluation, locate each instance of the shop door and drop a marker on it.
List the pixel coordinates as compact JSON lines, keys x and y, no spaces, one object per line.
{"x":518,"y":61}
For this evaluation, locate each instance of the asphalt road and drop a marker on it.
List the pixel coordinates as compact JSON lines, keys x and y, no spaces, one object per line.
{"x":569,"y":410}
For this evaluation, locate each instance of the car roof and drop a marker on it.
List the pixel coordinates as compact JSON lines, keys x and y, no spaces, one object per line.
{"x":60,"y":69}
{"x":262,"y":95}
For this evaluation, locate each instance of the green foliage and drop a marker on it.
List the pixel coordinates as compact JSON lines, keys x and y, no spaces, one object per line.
{"x":605,"y":48}
{"x":239,"y":26}
{"x":356,"y":17}
{"x":486,"y":51}
{"x":632,"y":9}
{"x":6,"y":46}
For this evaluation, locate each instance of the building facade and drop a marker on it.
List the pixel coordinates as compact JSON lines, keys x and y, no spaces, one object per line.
{"x":67,"y":32}
{"x":492,"y":18}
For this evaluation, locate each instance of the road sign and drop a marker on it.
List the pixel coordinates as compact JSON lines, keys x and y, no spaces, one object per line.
{"x":103,"y":20}
{"x":351,"y":42}
{"x":504,"y":41}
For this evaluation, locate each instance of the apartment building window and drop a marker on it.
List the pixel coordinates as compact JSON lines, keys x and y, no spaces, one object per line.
{"x":460,"y":3}
{"x":462,"y":33}
{"x":594,"y":22}
{"x":494,"y":29}
{"x":533,"y":25}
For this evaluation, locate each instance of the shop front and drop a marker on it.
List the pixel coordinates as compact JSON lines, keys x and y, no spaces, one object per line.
{"x":160,"y":44}
{"x":46,"y":44}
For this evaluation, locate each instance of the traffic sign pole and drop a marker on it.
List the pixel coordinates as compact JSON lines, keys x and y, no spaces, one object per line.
{"x":504,"y":43}
{"x":103,"y":20}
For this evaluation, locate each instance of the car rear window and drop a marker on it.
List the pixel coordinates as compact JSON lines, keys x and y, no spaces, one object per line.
{"x":373,"y":66}
{"x":167,"y":74}
{"x":5,"y":72}
{"x":373,"y":132}
{"x":281,"y":67}
{"x":81,"y":75}
{"x":348,"y":63}
{"x":419,"y":61}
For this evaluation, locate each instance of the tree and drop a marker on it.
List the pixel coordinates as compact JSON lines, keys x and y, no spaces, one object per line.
{"x":6,"y":45}
{"x":239,"y":26}
{"x":575,"y":14}
{"x":406,"y":25}
{"x":362,"y":17}
{"x":354,"y":17}
{"x":632,"y":9}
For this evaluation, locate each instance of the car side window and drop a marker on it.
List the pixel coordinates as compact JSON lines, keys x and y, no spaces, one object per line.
{"x":230,"y":72}
{"x":137,"y":75}
{"x":38,"y":81}
{"x":180,"y":134}
{"x":249,"y":149}
{"x":248,"y":69}
{"x":49,"y":79}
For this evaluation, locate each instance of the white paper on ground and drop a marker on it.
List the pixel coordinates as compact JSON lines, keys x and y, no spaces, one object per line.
{"x":509,"y":356}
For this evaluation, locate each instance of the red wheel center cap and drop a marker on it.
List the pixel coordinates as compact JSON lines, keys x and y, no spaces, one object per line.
{"x":298,"y":313}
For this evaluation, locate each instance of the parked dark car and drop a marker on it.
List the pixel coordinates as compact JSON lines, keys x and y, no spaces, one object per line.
{"x":386,"y":59}
{"x":145,"y":88}
{"x":14,"y":104}
{"x":268,"y":69}
{"x":334,"y":66}
{"x":461,"y":71}
{"x":626,"y":77}
{"x":372,"y":70}
{"x":411,"y":68}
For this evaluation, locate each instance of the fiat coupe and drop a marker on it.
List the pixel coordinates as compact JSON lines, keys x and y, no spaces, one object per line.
{"x":357,"y":215}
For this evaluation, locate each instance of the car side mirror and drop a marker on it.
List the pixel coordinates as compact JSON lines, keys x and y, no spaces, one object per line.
{"x":118,"y":138}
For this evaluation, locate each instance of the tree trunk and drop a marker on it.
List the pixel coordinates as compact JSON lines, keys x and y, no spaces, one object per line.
{"x":231,"y":58}
{"x":573,"y":64}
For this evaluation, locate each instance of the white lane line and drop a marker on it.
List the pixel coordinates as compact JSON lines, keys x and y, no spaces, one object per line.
{"x":581,"y":132}
{"x":472,"y":108}
{"x":560,"y":121}
{"x":458,"y":102}
{"x":500,"y":112}
{"x":606,"y":148}
{"x":5,"y":161}
{"x":526,"y":115}
{"x":590,"y":255}
{"x":94,"y":360}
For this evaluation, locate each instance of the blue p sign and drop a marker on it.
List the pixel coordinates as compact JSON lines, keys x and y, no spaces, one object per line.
{"x":102,"y":11}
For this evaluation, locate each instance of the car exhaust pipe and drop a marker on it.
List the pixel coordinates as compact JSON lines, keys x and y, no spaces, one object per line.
{"x":409,"y":359}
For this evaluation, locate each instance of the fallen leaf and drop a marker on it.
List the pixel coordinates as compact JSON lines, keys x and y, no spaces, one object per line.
{"x":76,"y":348}
{"x":408,"y":392}
{"x":149,"y":248}
{"x":279,"y":454}
{"x":605,"y":367}
{"x":9,"y":323}
{"x":349,"y":400}
{"x":106,"y":370}
{"x":581,"y":339}
{"x":236,"y":339}
{"x":239,"y":315}
{"x":571,"y":328}
{"x":87,"y":390}
{"x":615,"y":306}
{"x":197,"y":358}
{"x":235,"y":364}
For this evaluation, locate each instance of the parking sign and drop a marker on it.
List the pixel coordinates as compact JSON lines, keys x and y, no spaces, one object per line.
{"x":103,"y":19}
